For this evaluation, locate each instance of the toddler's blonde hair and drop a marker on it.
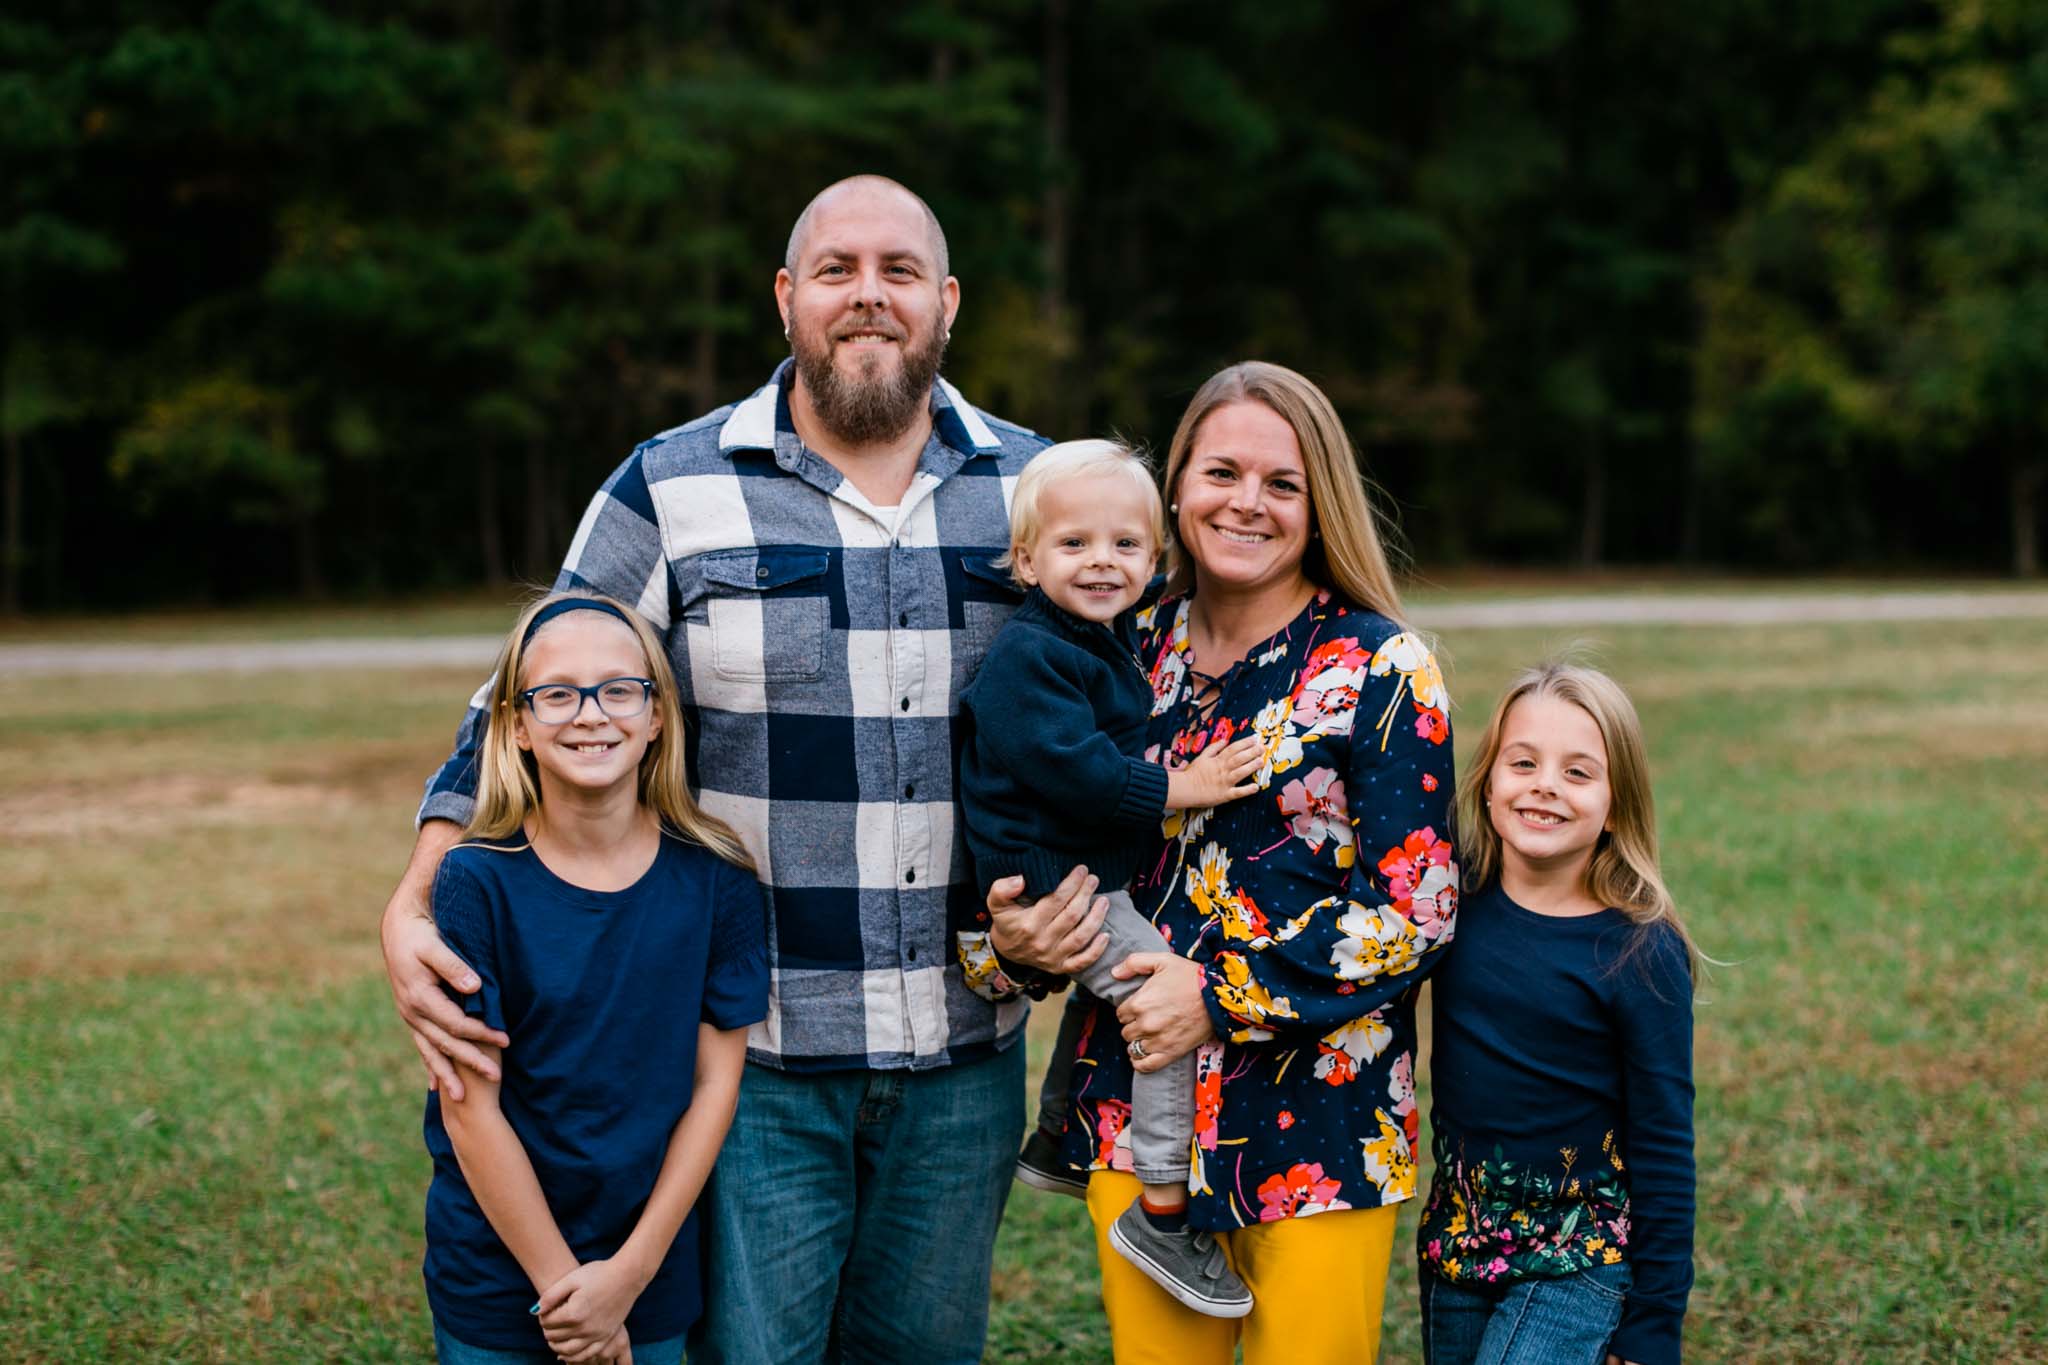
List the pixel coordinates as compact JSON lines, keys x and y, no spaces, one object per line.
{"x":1072,"y":459}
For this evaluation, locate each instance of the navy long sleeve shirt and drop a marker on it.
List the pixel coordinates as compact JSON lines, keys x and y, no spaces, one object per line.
{"x":1562,"y":1082}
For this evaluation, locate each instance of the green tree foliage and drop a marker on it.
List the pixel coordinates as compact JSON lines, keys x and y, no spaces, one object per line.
{"x":1878,"y":338}
{"x":310,"y":294}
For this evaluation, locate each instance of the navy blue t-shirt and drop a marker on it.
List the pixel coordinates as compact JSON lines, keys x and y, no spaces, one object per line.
{"x":602,"y":993}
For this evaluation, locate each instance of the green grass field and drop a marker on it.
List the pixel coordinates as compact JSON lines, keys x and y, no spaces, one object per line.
{"x":209,"y":1142}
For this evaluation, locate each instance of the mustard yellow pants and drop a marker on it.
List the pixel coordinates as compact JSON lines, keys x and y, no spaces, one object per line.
{"x":1318,"y":1285}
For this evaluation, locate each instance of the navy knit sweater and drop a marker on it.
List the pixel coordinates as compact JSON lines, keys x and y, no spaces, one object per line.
{"x":1050,"y":772}
{"x":1561,"y":1075}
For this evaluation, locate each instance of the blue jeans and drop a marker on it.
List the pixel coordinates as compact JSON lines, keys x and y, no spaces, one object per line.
{"x":852,"y":1215}
{"x":1565,"y":1321}
{"x":449,"y":1351}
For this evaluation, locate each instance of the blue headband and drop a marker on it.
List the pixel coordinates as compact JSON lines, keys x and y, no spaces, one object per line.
{"x":562,"y":607}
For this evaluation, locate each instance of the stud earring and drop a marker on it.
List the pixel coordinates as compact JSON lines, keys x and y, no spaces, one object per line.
{"x":1174,"y":508}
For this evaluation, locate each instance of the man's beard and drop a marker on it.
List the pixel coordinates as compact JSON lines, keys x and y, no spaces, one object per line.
{"x":870,"y":409}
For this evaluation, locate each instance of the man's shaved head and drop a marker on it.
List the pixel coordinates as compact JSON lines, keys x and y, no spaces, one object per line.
{"x":799,"y":235}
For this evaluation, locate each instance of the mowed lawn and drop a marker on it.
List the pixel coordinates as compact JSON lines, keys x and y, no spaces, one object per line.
{"x":209,"y":1145}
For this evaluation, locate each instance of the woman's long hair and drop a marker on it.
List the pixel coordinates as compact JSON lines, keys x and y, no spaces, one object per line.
{"x":1347,"y":546}
{"x":508,"y":777}
{"x":1623,"y":870}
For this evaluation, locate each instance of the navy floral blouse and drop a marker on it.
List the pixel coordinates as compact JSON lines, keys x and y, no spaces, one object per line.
{"x":1315,"y":907}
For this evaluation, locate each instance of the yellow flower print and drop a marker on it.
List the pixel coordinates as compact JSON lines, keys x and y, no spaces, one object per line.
{"x":1611,"y":1256}
{"x":1300,"y":922}
{"x":1244,"y":922}
{"x":1349,"y":1047}
{"x":1241,"y":995}
{"x":1389,"y":1161}
{"x":978,"y":965}
{"x":1407,"y":656}
{"x":1283,"y":746}
{"x":1375,"y":944}
{"x":1209,"y":881}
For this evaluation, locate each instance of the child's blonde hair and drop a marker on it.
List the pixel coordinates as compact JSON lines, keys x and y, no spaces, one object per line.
{"x":508,"y":783}
{"x":1623,"y":871}
{"x":1067,"y":460}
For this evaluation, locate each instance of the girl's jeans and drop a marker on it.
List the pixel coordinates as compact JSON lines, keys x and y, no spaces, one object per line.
{"x":449,"y":1351}
{"x":1564,"y":1321}
{"x":1162,"y":1124}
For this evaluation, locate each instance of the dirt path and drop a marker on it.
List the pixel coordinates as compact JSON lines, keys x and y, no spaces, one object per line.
{"x":475,"y":651}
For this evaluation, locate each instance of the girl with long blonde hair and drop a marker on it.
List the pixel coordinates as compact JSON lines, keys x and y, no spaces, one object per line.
{"x":1559,"y":1222}
{"x":619,"y":936}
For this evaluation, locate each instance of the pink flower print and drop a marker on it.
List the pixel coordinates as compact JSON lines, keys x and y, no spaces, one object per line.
{"x":1498,"y":1267}
{"x":1208,"y":1094}
{"x":1429,"y":782}
{"x":1317,"y":809}
{"x":1111,"y":1117}
{"x":1431,"y":724}
{"x":1422,"y":881}
{"x":1401,"y":1084}
{"x":1302,"y":1190}
{"x":1327,"y":696}
{"x":1286,"y":1119}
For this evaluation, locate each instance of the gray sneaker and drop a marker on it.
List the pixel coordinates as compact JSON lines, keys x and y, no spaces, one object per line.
{"x":1186,"y":1264}
{"x":1041,"y":1167}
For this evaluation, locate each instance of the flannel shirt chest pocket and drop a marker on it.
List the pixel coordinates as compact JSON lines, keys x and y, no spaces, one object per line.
{"x":991,"y":595}
{"x":768,"y":610}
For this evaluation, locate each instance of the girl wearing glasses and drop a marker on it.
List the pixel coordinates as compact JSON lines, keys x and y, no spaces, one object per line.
{"x":597,"y":902}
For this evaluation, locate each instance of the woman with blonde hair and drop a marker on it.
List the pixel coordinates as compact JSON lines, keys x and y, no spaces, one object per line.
{"x":1559,"y":1221}
{"x":1300,"y":919}
{"x":618,"y":931}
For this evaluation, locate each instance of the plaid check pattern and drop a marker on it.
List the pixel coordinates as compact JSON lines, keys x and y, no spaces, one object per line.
{"x":820,"y":645}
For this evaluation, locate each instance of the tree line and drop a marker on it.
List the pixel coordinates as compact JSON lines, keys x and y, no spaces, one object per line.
{"x":312,"y":296}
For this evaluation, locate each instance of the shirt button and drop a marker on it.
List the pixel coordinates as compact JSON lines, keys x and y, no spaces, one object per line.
{"x":906,"y":703}
{"x":909,"y":790}
{"x":761,"y":572}
{"x":910,"y":875}
{"x":902,"y":618}
{"x":912,"y":954}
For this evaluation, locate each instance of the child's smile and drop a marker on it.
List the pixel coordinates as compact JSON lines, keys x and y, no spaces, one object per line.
{"x":1548,"y":792}
{"x":1094,"y":552}
{"x":591,"y":750}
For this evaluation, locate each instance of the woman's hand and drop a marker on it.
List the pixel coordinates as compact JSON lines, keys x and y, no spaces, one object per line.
{"x":1166,"y":1015}
{"x":1060,"y":932}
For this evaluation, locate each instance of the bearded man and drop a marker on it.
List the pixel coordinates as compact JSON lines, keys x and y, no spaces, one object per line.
{"x":820,"y":560}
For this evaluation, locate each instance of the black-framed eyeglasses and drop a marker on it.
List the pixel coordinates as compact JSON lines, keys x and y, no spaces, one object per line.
{"x":560,"y":703}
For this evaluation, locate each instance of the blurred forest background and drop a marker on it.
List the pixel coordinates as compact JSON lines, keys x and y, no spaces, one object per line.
{"x":310,"y":297}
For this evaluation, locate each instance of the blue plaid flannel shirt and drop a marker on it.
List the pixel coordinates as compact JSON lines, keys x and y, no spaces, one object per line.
{"x":820,"y":653}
